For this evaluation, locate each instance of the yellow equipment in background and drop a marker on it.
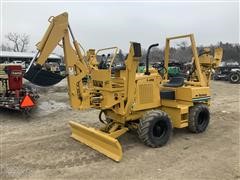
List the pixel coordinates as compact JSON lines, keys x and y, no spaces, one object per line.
{"x":148,"y":102}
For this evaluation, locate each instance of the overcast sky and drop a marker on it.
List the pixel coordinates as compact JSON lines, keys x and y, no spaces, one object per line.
{"x":98,"y":25}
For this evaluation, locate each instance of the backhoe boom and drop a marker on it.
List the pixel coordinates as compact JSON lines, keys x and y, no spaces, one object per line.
{"x":77,"y":68}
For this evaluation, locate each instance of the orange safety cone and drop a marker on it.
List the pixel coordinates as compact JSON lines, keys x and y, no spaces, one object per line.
{"x":27,"y":102}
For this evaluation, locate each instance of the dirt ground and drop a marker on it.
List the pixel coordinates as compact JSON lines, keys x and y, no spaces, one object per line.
{"x":41,"y":147}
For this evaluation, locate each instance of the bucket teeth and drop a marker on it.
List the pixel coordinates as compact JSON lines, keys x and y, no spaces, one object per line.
{"x":97,"y":140}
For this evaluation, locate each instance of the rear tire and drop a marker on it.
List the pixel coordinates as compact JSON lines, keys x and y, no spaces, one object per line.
{"x":199,"y":117}
{"x":155,"y":128}
{"x":234,"y":77}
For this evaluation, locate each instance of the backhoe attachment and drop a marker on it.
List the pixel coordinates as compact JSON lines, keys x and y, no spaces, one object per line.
{"x":58,"y":31}
{"x":104,"y":90}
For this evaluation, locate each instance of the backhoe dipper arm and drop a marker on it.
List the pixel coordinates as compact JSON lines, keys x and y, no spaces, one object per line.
{"x":77,"y":68}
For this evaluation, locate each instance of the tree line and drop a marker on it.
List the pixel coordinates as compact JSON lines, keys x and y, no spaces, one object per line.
{"x":181,"y":53}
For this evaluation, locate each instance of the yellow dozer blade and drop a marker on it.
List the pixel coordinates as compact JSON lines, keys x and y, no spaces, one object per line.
{"x":97,"y":140}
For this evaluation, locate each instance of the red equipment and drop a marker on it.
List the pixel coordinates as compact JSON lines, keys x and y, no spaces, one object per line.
{"x":13,"y":93}
{"x":14,"y":77}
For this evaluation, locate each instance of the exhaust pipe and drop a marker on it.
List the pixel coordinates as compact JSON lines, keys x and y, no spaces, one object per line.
{"x":147,"y":58}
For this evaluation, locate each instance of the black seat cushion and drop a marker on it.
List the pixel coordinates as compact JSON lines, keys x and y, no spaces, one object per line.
{"x":175,"y":82}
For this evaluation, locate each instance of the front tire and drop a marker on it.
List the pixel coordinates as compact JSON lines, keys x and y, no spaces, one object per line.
{"x":199,"y":117}
{"x":155,"y":128}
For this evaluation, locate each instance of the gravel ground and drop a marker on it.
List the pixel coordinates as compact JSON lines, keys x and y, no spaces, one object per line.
{"x":40,"y":147}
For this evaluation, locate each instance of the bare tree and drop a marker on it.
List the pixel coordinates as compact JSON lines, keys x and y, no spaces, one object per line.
{"x":183,"y":45}
{"x":20,"y":41}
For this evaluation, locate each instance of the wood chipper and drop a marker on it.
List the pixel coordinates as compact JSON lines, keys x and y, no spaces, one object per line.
{"x":149,"y":102}
{"x":13,"y":94}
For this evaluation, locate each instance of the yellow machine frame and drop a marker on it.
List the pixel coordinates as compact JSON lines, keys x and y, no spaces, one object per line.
{"x":123,"y":96}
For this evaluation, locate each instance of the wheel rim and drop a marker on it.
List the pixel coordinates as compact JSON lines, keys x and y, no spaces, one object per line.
{"x":203,"y":118}
{"x":234,"y":77}
{"x":159,"y":129}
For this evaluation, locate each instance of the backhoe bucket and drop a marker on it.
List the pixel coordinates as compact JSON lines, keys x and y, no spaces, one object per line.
{"x":40,"y":77}
{"x":97,"y":140}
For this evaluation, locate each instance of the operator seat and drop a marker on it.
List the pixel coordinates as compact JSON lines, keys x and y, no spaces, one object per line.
{"x":175,"y":82}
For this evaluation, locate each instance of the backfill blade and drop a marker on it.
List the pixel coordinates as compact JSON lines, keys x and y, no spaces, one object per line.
{"x":98,"y":140}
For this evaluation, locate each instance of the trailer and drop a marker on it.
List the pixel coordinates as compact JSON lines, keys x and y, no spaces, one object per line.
{"x":13,"y":93}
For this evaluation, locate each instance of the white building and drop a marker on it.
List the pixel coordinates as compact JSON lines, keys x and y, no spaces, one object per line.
{"x":26,"y":57}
